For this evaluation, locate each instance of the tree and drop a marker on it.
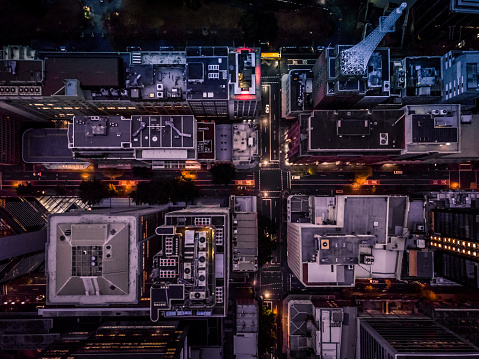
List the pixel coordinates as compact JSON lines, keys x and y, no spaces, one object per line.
{"x":164,"y":191}
{"x":27,"y":189}
{"x":223,"y":173}
{"x":93,"y":191}
{"x":185,"y":189}
{"x":267,"y":241}
{"x":266,"y":334}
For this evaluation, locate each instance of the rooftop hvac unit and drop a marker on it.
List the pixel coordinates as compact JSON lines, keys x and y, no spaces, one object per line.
{"x":383,"y":139}
{"x":30,"y":90}
{"x":443,"y":112}
{"x":197,"y":295}
{"x":8,"y":90}
{"x":189,"y":238}
{"x":202,"y":278}
{"x":435,"y":112}
{"x":159,"y":94}
{"x":159,"y":87}
{"x":368,"y":260}
{"x":187,"y":270}
{"x":202,"y":259}
{"x":419,"y":227}
{"x":324,"y":243}
{"x":202,"y":240}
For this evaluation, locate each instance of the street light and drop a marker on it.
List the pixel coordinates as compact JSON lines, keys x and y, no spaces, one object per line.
{"x":266,"y":295}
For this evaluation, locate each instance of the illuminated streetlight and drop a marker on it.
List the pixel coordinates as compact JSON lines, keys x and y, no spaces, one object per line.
{"x":266,"y":295}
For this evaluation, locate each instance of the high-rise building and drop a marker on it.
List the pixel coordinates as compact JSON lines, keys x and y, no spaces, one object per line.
{"x":191,"y":267}
{"x":100,"y":258}
{"x":387,"y":338}
{"x":9,"y":141}
{"x":124,"y":339}
{"x":455,"y":239}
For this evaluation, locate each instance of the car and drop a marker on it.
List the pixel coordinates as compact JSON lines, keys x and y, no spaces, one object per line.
{"x":295,"y":177}
{"x":398,"y":172}
{"x":266,"y":109}
{"x":63,"y":48}
{"x":40,"y":297}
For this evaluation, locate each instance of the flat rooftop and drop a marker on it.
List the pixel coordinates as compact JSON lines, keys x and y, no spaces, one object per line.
{"x":46,"y":145}
{"x":21,"y":71}
{"x":92,"y":72}
{"x":207,"y":73}
{"x":418,"y":336}
{"x":205,"y":141}
{"x":356,"y":130}
{"x":92,"y":259}
{"x":117,"y":132}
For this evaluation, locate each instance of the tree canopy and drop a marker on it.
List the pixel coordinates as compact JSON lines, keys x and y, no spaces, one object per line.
{"x":93,"y":191}
{"x":27,"y":189}
{"x":267,"y":241}
{"x":159,"y":191}
{"x":223,"y":173}
{"x":266,"y":334}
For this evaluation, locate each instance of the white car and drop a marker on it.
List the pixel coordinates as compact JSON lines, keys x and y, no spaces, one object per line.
{"x":294,"y":177}
{"x":266,"y":109}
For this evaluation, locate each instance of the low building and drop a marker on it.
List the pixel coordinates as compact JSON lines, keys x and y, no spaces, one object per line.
{"x":244,"y":236}
{"x":163,"y":141}
{"x":246,"y":337}
{"x":190,"y":271}
{"x":415,"y":132}
{"x":348,"y":237}
{"x":245,"y":145}
{"x":320,"y":328}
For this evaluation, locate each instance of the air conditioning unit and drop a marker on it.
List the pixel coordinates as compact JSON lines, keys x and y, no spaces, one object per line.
{"x":419,"y":227}
{"x":443,"y":112}
{"x":159,"y":94}
{"x":201,"y":278}
{"x":8,"y":90}
{"x":202,"y":240}
{"x":202,"y":259}
{"x":435,"y":112}
{"x":187,"y":271}
{"x":197,"y":295}
{"x":30,"y":90}
{"x":368,"y":260}
{"x":324,"y":243}
{"x":383,"y":139}
{"x":159,"y":87}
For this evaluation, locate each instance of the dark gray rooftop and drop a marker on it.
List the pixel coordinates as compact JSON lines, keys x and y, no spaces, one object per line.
{"x":46,"y":145}
{"x":207,"y":73}
{"x":100,"y":132}
{"x":358,"y":130}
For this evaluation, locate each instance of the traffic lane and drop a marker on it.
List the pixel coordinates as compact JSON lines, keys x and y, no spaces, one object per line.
{"x":275,"y":116}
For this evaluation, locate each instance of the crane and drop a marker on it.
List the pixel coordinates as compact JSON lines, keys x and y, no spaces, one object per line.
{"x":355,"y":59}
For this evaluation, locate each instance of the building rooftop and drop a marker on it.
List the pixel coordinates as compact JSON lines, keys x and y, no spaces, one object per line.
{"x":207,"y":73}
{"x":141,"y":137}
{"x":92,"y":259}
{"x":245,"y":145}
{"x":417,"y":336}
{"x":46,"y":145}
{"x":190,"y":271}
{"x":18,"y":72}
{"x":92,"y":72}
{"x":205,"y":141}
{"x":358,"y":130}
{"x":432,"y":128}
{"x":245,"y":242}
